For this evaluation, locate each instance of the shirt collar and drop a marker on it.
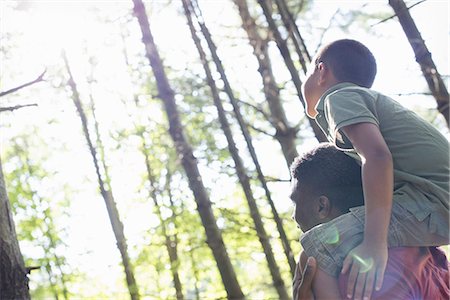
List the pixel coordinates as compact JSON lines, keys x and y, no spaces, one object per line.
{"x":320,"y":105}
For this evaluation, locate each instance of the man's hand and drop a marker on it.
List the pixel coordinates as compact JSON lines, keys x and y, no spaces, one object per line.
{"x":302,"y":285}
{"x":367,"y":263}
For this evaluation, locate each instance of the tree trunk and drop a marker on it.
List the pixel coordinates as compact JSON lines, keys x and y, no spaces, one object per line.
{"x":174,"y":241}
{"x":284,"y":133}
{"x":189,"y":162}
{"x":423,"y":57}
{"x":284,"y":51}
{"x":13,"y":275}
{"x":245,"y":132}
{"x":171,"y":245}
{"x":106,"y":193}
{"x":294,"y":33}
{"x":240,"y":169}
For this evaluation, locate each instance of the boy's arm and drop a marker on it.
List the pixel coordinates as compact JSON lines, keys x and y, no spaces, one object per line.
{"x":368,"y":260}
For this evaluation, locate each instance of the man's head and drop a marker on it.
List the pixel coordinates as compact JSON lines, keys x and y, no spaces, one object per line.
{"x":325,"y":184}
{"x":340,"y":61}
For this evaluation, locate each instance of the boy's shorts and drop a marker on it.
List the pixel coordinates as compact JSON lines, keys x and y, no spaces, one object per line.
{"x":330,"y":242}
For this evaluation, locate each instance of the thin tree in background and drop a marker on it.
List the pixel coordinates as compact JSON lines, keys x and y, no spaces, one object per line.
{"x":171,"y":242}
{"x":423,"y":57}
{"x":244,"y":129}
{"x":294,"y":34}
{"x":188,"y":161}
{"x":173,"y":239}
{"x":285,"y":53}
{"x":239,"y":165}
{"x":105,"y":191}
{"x":285,"y":134}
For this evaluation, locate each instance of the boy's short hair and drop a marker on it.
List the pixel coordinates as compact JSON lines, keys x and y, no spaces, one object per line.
{"x":350,"y":61}
{"x":325,"y":170}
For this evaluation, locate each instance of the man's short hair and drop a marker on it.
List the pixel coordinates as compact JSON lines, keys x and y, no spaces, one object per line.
{"x":327,"y":171}
{"x":349,"y":61}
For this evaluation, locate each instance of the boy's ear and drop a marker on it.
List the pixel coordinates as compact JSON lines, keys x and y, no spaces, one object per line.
{"x":323,"y":207}
{"x":323,"y":72}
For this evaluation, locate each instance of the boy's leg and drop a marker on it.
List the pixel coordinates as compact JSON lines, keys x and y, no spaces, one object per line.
{"x":430,"y":230}
{"x":330,"y":242}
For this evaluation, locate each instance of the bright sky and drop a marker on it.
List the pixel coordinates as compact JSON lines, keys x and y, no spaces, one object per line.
{"x":41,"y":29}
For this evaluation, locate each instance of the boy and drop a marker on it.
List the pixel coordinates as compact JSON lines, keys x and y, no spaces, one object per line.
{"x":326,"y":184}
{"x":405,"y":169}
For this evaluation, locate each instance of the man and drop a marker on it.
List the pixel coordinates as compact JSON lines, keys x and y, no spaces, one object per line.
{"x":326,"y":185}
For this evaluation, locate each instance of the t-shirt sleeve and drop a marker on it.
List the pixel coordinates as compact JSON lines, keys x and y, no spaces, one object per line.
{"x":345,"y":108}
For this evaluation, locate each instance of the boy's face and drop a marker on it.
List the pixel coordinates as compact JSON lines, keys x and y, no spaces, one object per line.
{"x":304,"y":210}
{"x":311,"y":89}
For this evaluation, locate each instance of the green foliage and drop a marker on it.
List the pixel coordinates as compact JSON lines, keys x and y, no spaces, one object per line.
{"x":37,"y":212}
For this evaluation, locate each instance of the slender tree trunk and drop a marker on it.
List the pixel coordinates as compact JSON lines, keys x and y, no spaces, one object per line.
{"x":174,"y":240}
{"x":171,"y":245}
{"x":49,"y":234}
{"x":189,"y":162}
{"x":194,"y":270}
{"x":284,"y":50}
{"x":294,"y":34}
{"x":241,"y":172}
{"x":106,"y":193}
{"x":284,"y":133}
{"x":244,"y":129}
{"x":13,"y":275}
{"x":423,"y":57}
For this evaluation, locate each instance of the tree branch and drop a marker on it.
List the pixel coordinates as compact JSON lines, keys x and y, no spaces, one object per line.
{"x":11,"y":108}
{"x":38,"y":79}
{"x":273,"y":179}
{"x":259,"y":130}
{"x":393,"y":16}
{"x":326,"y":29}
{"x":258,"y":109}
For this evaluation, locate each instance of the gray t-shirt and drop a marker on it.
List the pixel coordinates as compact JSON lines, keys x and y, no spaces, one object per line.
{"x":420,"y":152}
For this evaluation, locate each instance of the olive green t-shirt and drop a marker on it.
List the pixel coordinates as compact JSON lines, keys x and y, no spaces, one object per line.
{"x":420,"y":152}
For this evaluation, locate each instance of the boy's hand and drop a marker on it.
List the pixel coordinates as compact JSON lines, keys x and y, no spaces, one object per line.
{"x":368,"y":263}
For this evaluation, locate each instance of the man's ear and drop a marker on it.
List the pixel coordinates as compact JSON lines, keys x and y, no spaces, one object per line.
{"x":323,"y":207}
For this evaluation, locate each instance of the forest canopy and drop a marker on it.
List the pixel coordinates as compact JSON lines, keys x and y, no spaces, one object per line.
{"x":146,"y":145}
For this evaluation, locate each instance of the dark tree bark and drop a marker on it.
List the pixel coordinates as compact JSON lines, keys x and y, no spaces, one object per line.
{"x":188,"y":161}
{"x":284,"y":133}
{"x":284,"y":51}
{"x":239,"y":165}
{"x":423,"y":57}
{"x":13,"y":275}
{"x":106,"y":192}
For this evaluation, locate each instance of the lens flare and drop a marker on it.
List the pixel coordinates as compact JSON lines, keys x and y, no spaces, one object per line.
{"x":366,"y":264}
{"x":331,"y":235}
